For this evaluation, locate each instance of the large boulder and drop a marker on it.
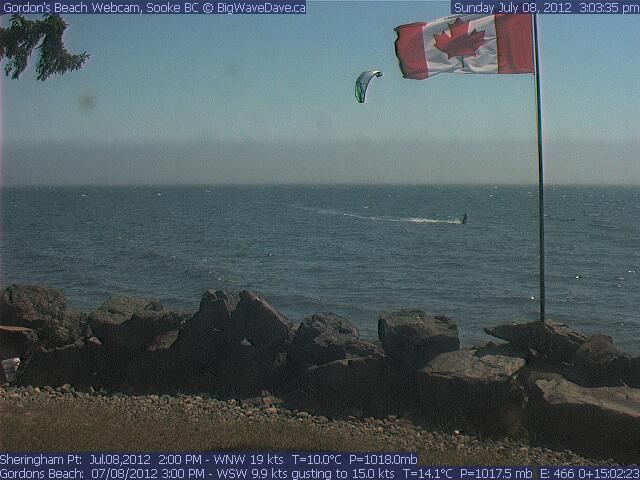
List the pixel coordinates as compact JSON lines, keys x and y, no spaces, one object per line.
{"x":412,"y":338}
{"x":507,"y":350}
{"x":163,"y":341}
{"x":350,"y":382}
{"x":555,"y":340}
{"x":118,"y":309}
{"x":215,"y":311}
{"x":602,"y":420}
{"x":262,"y":324}
{"x":139,"y":332}
{"x":83,"y":363}
{"x":248,"y":369}
{"x":477,"y":386}
{"x":207,"y":334}
{"x":371,"y":384}
{"x":324,"y":337}
{"x":600,"y":363}
{"x":43,"y":309}
{"x":363,"y":348}
{"x":199,"y":345}
{"x":155,"y":371}
{"x":633,"y":374}
{"x":16,"y":341}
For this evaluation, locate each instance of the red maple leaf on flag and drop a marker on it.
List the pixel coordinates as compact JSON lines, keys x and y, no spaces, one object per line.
{"x":460,"y":42}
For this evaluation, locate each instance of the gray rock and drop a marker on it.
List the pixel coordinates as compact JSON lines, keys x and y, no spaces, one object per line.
{"x":84,"y":362}
{"x":156,"y":371}
{"x":248,"y":370}
{"x":322,"y":338}
{"x":371,"y":383}
{"x":505,"y":349}
{"x":139,"y":332}
{"x":352,"y":381}
{"x":530,"y":377}
{"x":118,"y":309}
{"x":210,"y":332}
{"x":602,"y":420}
{"x":600,"y":363}
{"x":163,"y":341}
{"x":479,"y":387}
{"x":105,"y":321}
{"x":263,"y":325}
{"x":412,"y":338}
{"x":555,"y":340}
{"x":231,"y":300}
{"x":215,"y":311}
{"x":16,"y":341}
{"x":362,"y":348}
{"x":633,"y":374}
{"x":43,"y":309}
{"x":199,"y":344}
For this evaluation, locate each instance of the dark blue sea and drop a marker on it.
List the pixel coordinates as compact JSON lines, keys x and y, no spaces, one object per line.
{"x":352,"y":250}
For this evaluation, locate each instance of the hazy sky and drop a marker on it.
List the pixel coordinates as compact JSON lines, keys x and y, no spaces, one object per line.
{"x":244,"y":99}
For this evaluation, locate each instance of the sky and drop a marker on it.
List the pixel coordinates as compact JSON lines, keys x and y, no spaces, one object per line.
{"x":269,"y":99}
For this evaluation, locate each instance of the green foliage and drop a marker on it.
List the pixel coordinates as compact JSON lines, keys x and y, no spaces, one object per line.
{"x":19,"y":39}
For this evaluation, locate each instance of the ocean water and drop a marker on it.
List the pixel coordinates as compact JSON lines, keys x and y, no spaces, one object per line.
{"x":352,"y":250}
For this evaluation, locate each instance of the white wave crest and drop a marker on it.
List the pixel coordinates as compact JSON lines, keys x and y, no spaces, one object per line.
{"x":322,"y":211}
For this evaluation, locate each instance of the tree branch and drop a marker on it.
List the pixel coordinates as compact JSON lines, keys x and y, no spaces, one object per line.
{"x":22,"y":36}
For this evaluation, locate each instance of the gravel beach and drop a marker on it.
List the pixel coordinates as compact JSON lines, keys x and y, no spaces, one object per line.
{"x":393,"y":433}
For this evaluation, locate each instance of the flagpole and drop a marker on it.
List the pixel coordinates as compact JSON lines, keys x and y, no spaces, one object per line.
{"x":540,"y":169}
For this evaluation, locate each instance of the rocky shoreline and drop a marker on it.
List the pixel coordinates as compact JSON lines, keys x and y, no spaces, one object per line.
{"x":548,"y":381}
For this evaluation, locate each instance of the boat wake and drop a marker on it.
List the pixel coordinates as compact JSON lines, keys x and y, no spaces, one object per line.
{"x":321,"y":211}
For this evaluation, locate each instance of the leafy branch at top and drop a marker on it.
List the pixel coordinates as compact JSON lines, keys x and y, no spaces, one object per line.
{"x":19,"y":39}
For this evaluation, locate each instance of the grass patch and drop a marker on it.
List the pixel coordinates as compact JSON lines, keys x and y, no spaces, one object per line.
{"x":68,"y":426}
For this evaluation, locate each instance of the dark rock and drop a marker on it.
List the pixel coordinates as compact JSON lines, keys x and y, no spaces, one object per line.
{"x":249,"y":369}
{"x":118,"y":309}
{"x":215,"y":311}
{"x":398,"y":387}
{"x":505,"y":349}
{"x":555,"y":340}
{"x":228,"y":297}
{"x":544,"y":367}
{"x":139,"y":332}
{"x":372,"y":384}
{"x":352,"y":381}
{"x":84,"y":362}
{"x":206,"y":336}
{"x":262,"y":324}
{"x":31,"y":306}
{"x":16,"y":341}
{"x":412,"y":338}
{"x":602,"y":420}
{"x":530,"y":377}
{"x":322,"y":338}
{"x":156,"y":371}
{"x":43,"y":309}
{"x":199,"y":344}
{"x":601,"y":363}
{"x":163,"y":341}
{"x":480,"y":388}
{"x":633,"y":374}
{"x":362,"y":348}
{"x":154,"y":306}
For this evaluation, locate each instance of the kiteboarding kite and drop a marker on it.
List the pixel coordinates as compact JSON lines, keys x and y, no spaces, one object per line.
{"x":362,"y":83}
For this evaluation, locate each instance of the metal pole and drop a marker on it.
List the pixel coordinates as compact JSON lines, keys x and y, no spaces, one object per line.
{"x":540,"y":169}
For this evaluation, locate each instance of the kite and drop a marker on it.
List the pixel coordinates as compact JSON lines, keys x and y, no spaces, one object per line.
{"x":362,"y":83}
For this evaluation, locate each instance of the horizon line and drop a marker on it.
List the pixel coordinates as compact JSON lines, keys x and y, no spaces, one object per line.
{"x":317,"y":184}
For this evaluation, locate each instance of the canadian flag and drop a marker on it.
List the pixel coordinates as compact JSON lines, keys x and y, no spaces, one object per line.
{"x":500,"y":43}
